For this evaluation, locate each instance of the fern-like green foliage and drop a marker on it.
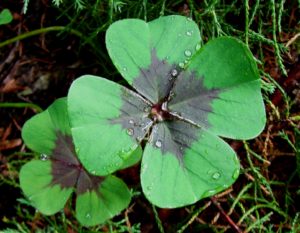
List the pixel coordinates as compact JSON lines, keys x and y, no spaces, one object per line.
{"x":78,"y":4}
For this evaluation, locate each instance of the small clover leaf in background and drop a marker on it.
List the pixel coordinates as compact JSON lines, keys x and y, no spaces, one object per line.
{"x":5,"y":17}
{"x":49,"y":182}
{"x":183,"y":98}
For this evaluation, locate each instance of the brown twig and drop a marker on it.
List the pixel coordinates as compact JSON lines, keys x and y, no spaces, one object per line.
{"x":128,"y":224}
{"x":226,"y":216}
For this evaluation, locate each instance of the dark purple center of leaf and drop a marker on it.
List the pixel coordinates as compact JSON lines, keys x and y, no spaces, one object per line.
{"x":171,"y":108}
{"x":67,"y":171}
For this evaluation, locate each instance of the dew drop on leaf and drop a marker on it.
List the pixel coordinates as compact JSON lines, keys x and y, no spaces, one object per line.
{"x":187,"y":53}
{"x":198,"y":46}
{"x":158,"y":143}
{"x":189,"y":33}
{"x":236,"y":174}
{"x":93,"y":172}
{"x":88,"y":215}
{"x":209,"y":192}
{"x":44,"y":157}
{"x":216,"y":175}
{"x":174,"y":72}
{"x":130,"y":131}
{"x":124,"y":69}
{"x":181,"y":65}
{"x":77,"y":150}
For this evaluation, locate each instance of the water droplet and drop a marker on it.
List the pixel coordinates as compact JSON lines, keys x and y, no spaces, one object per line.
{"x":149,"y":188}
{"x":158,"y":143}
{"x":131,"y":122}
{"x":216,"y":175}
{"x":77,"y":150}
{"x":174,"y":72}
{"x":143,"y":168}
{"x":198,"y":46}
{"x":181,"y":65}
{"x":93,"y":172}
{"x":189,"y":33}
{"x":130,"y":131}
{"x":124,"y":69}
{"x":44,"y":157}
{"x":189,"y":19}
{"x":88,"y":215}
{"x":187,"y":53}
{"x":236,"y":174}
{"x":209,"y":193}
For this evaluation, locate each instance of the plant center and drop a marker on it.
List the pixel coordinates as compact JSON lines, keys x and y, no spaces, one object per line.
{"x":159,"y":112}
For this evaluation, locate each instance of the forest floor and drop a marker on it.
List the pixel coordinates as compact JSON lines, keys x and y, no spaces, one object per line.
{"x":37,"y":69}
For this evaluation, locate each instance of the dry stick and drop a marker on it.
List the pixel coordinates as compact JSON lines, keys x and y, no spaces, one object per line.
{"x":261,"y":186}
{"x":128,"y":224}
{"x":229,"y":220}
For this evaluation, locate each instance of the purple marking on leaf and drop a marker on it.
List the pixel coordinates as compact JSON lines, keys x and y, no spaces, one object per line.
{"x":156,"y":81}
{"x":191,"y":99}
{"x":134,"y":115}
{"x":67,"y":170}
{"x":174,"y":137}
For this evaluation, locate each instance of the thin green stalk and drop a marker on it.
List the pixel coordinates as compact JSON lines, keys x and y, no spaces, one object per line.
{"x":158,"y":221}
{"x":259,"y":223}
{"x":260,"y":206}
{"x":39,"y":31}
{"x":111,"y":11}
{"x":255,"y":8}
{"x":280,"y":11}
{"x":295,"y":224}
{"x":145,"y":9}
{"x":21,"y":105}
{"x":276,"y":47}
{"x":163,"y":6}
{"x":193,"y":217}
{"x":239,"y":197}
{"x":285,"y":96}
{"x":247,"y":22}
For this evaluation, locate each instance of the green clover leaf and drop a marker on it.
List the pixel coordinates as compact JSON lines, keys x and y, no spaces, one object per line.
{"x":49,"y":182}
{"x":183,"y":98}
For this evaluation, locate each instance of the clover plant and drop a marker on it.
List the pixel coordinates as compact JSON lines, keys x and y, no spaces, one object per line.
{"x":49,"y":182}
{"x":182,"y":98}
